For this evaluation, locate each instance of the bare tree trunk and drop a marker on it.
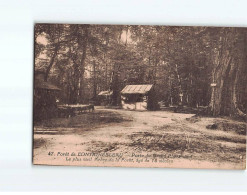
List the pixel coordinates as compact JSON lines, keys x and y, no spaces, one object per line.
{"x":236,"y":110}
{"x":222,"y":65}
{"x":180,"y":85}
{"x":51,"y":62}
{"x":82,"y":65}
{"x":94,"y":81}
{"x":224,"y":99}
{"x":216,"y":95}
{"x":115,"y":83}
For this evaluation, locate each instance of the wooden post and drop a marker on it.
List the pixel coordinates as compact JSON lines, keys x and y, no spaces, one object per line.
{"x":213,"y":85}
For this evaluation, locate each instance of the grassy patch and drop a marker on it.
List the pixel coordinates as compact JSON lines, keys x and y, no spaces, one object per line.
{"x":184,"y":140}
{"x":232,"y":126}
{"x":83,"y":122}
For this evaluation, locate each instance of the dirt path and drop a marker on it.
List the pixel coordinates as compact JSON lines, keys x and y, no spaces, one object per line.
{"x":145,"y":139}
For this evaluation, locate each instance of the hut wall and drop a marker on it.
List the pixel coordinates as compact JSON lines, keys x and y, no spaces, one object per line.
{"x":134,"y":105}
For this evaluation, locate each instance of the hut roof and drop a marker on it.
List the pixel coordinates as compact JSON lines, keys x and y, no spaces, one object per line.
{"x":136,"y":89}
{"x":105,"y":93}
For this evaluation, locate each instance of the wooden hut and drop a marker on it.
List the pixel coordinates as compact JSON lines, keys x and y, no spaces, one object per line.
{"x":45,"y":93}
{"x":138,"y":97}
{"x":104,"y":98}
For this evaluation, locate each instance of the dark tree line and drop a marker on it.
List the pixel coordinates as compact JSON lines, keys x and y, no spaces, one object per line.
{"x":194,"y":66}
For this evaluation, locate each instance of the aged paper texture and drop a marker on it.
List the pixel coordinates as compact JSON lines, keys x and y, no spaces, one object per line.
{"x":140,"y":96}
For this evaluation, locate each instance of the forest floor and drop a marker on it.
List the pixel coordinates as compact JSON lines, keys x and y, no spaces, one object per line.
{"x":142,"y":139}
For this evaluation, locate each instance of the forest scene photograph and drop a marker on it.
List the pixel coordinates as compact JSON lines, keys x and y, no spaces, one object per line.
{"x":140,"y":96}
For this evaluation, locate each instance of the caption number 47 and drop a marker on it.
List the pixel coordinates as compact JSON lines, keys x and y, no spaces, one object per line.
{"x":50,"y":153}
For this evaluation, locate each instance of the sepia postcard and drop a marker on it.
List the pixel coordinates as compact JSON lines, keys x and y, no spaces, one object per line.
{"x":140,"y":96}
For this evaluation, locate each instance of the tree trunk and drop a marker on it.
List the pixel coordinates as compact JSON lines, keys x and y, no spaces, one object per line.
{"x":82,"y":65}
{"x":94,"y":81}
{"x":222,"y":66}
{"x":235,"y":110}
{"x":115,"y":86}
{"x":226,"y":75}
{"x":51,"y":62}
{"x":216,"y":96}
